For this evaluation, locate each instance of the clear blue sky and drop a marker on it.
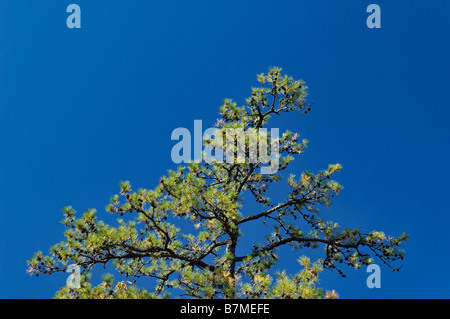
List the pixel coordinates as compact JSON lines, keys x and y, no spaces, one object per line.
{"x":82,"y":109}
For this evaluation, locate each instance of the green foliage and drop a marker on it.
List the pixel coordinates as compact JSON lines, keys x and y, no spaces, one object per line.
{"x":203,"y":263}
{"x":108,"y":289}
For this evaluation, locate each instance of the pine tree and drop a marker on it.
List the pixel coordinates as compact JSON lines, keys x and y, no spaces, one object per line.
{"x":185,"y":232}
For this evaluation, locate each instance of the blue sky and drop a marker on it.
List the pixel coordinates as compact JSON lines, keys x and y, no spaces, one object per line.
{"x":82,"y":109}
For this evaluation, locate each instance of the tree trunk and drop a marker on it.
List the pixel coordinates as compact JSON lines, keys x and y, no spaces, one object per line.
{"x":230,"y":265}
